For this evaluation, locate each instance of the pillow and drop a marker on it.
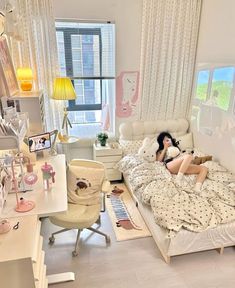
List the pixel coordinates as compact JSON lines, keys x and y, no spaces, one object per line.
{"x":84,"y":184}
{"x":130,"y":146}
{"x":185,"y":141}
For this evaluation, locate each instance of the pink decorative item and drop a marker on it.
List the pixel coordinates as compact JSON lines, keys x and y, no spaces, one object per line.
{"x":4,"y":226}
{"x":127,"y":89}
{"x":30,"y":178}
{"x":22,"y":205}
{"x":47,"y":174}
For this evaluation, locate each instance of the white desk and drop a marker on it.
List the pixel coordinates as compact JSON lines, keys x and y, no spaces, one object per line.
{"x":46,"y":202}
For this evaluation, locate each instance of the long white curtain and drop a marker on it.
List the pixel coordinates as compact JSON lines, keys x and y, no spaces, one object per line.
{"x":33,"y":44}
{"x":168,"y":49}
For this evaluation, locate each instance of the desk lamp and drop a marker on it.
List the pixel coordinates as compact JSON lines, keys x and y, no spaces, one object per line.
{"x":25,"y":77}
{"x":64,"y":90}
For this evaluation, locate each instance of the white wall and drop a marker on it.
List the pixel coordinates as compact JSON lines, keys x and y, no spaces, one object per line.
{"x":127,"y":16}
{"x":216,"y":45}
{"x":216,"y":35}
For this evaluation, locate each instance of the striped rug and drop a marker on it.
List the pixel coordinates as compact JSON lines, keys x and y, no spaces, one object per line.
{"x":126,"y":219}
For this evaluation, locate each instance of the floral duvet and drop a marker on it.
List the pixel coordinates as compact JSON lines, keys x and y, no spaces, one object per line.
{"x":176,"y":207}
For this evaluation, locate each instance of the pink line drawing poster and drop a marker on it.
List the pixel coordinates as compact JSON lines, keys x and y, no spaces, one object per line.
{"x":127,"y":89}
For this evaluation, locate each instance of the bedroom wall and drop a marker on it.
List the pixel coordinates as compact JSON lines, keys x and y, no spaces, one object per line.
{"x":127,"y":16}
{"x":216,"y":47}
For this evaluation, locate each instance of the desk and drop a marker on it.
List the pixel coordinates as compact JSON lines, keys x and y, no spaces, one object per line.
{"x":46,"y":203}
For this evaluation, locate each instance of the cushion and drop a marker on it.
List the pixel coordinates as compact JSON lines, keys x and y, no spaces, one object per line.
{"x":84,"y":184}
{"x":185,"y":141}
{"x":130,"y":146}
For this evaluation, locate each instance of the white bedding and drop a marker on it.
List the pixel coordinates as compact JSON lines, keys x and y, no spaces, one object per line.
{"x":180,"y":207}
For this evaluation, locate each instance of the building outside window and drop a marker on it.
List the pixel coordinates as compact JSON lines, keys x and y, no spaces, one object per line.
{"x":86,"y":55}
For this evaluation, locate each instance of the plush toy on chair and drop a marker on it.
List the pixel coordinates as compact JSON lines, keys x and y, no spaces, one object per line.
{"x":148,"y":150}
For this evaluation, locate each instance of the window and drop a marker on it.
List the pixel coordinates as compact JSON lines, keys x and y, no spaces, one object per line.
{"x":86,"y":55}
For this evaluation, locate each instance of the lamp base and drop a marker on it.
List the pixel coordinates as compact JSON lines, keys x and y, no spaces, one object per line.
{"x":24,"y":205}
{"x":66,"y":122}
{"x":26,"y":86}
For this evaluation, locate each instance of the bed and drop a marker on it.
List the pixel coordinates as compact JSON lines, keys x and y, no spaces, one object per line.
{"x":181,"y":240}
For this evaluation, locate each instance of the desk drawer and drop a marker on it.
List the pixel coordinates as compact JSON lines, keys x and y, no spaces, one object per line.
{"x":108,"y":152}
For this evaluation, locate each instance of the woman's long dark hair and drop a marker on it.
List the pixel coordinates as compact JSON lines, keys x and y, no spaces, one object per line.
{"x":161,"y":137}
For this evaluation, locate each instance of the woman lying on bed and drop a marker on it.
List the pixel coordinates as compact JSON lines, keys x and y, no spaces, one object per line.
{"x":180,"y":165}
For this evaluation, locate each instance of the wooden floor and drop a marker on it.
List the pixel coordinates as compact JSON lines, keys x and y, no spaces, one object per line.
{"x":133,"y":263}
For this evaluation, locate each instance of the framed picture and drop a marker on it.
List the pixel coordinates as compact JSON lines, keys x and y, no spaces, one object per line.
{"x":7,"y":71}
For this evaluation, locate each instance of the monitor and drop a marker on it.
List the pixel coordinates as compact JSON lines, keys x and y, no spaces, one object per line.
{"x":39,"y":142}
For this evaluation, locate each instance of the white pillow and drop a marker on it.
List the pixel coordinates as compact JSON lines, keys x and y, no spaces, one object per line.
{"x":185,"y":141}
{"x":84,"y":184}
{"x":130,"y":146}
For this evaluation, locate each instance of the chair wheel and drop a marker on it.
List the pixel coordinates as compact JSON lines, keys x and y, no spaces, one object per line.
{"x":51,"y":240}
{"x":75,"y":253}
{"x":107,"y":239}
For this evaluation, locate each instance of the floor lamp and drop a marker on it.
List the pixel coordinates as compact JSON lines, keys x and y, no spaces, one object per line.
{"x":64,"y":90}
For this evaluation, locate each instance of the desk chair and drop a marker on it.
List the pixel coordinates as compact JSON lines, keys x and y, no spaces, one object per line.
{"x":82,"y":216}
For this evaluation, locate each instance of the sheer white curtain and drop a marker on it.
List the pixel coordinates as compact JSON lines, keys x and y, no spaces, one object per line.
{"x":33,"y":44}
{"x":168,"y":48}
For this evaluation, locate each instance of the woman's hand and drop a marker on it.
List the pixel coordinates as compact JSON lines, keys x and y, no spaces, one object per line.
{"x":166,"y":143}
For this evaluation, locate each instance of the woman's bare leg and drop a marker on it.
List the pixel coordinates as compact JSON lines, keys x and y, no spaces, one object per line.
{"x":180,"y":165}
{"x":197,"y":169}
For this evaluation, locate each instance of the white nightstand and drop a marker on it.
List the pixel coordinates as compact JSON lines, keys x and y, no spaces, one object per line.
{"x":109,"y":156}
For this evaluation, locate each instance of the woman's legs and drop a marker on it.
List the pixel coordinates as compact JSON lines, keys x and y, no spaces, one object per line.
{"x":183,"y":166}
{"x":201,"y":171}
{"x":180,"y":165}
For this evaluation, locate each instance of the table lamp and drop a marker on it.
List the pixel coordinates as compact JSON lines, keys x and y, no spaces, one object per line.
{"x":64,"y":90}
{"x":25,"y":77}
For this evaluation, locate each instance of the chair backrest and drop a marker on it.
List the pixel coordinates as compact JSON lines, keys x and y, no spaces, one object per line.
{"x":87,"y":163}
{"x":90,"y":195}
{"x":90,"y":164}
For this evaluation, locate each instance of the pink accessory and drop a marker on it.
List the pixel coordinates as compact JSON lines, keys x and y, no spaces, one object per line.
{"x":4,"y":226}
{"x":47,"y":174}
{"x":22,"y":205}
{"x":30,"y":178}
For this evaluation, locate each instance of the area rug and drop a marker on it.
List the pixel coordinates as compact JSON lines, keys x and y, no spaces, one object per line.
{"x":126,"y":219}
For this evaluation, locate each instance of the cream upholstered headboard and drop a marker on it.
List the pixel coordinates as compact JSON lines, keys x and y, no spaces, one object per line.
{"x":138,"y":130}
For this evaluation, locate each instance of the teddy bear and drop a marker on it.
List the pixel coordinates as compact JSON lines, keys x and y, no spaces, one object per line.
{"x":148,"y":149}
{"x":200,"y":160}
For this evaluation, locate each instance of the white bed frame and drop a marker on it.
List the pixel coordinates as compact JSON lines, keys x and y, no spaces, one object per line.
{"x":185,"y":241}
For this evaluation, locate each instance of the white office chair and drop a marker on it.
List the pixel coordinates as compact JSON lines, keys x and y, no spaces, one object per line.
{"x":82,"y":216}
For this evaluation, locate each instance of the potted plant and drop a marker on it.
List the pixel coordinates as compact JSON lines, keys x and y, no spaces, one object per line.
{"x":102,"y":138}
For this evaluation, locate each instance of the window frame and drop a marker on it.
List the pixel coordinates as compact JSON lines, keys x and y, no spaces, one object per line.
{"x":67,"y":34}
